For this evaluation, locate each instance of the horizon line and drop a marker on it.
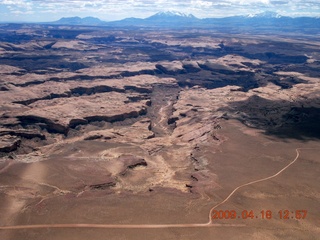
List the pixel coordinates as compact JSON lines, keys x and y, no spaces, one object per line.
{"x":165,"y":11}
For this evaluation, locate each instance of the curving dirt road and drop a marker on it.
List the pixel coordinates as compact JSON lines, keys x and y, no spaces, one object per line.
{"x":256,"y":181}
{"x":155,"y":226}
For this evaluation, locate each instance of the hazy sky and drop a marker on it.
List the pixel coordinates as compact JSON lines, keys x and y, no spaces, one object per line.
{"x":48,"y":10}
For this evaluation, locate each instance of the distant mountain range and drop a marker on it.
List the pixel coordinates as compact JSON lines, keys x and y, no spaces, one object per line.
{"x":177,"y":19}
{"x":79,"y":21}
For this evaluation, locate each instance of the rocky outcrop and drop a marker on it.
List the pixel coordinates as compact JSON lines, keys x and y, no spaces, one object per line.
{"x":216,"y":67}
{"x":137,"y":132}
{"x":74,"y":92}
{"x":51,"y":96}
{"x":138,"y":89}
{"x":171,"y":68}
{"x":93,"y":90}
{"x":172,"y":120}
{"x":93,"y":137}
{"x":4,"y":88}
{"x":47,"y":123}
{"x":28,"y":134}
{"x":131,"y":162}
{"x":77,"y":121}
{"x":9,"y":143}
{"x":116,"y":118}
{"x":191,"y":66}
{"x":57,"y":126}
{"x":102,"y":186}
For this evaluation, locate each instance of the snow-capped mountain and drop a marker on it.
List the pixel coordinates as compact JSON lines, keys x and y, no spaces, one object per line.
{"x":173,"y":14}
{"x":171,"y":18}
{"x":267,"y":14}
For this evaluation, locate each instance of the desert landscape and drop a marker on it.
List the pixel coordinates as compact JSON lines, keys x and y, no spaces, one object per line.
{"x":117,"y":127}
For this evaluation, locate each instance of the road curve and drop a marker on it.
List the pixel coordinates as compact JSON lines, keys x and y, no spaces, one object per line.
{"x":256,"y":181}
{"x":157,"y":226}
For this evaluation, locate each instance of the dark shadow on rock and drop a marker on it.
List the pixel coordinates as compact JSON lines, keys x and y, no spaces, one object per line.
{"x":284,"y":119}
{"x":301,"y":123}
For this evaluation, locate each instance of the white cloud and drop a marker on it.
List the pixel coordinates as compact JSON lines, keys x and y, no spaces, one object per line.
{"x":117,"y":9}
{"x":201,"y":3}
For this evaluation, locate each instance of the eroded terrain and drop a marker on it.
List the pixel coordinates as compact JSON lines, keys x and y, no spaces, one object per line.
{"x":115,"y":126}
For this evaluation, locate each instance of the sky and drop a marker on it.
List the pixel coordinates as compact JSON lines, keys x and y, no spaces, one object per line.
{"x":108,"y":10}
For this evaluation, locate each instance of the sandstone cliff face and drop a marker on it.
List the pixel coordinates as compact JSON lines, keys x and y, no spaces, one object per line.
{"x":9,"y":143}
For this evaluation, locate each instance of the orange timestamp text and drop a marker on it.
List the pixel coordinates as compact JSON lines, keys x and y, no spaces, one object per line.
{"x":263,"y":214}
